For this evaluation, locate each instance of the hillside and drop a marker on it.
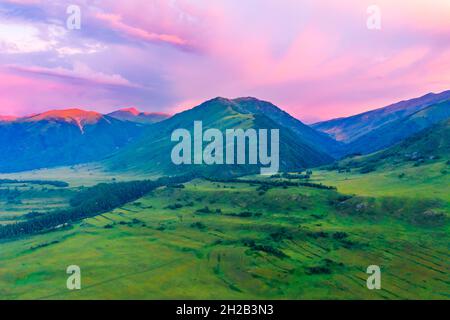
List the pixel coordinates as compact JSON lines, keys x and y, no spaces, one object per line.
{"x":152,"y":152}
{"x":312,"y":137}
{"x":396,"y":131}
{"x":61,"y":137}
{"x":351,"y":128}
{"x":431,"y":143}
{"x":427,"y":146}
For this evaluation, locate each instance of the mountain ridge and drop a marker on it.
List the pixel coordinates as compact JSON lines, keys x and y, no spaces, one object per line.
{"x":62,"y":137}
{"x":395,"y":131}
{"x":426,"y":146}
{"x":134,"y":115}
{"x":7,"y":118}
{"x":347,"y":129}
{"x":25,"y":140}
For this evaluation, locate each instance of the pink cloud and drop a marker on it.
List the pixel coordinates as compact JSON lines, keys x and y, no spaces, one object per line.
{"x":116,"y":23}
{"x":315,"y":58}
{"x":332,"y":66}
{"x":22,"y":88}
{"x":37,"y":89}
{"x":79,"y":72}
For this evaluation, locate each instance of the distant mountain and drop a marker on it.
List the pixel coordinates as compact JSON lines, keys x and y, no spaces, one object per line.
{"x":398,"y":130}
{"x":152,"y":153}
{"x":77,"y":117}
{"x":61,"y":137}
{"x":354,"y":127}
{"x":7,"y":118}
{"x":134,"y":115}
{"x":431,"y":144}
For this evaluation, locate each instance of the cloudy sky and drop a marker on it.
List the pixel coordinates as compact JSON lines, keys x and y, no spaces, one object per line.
{"x":317,"y":59}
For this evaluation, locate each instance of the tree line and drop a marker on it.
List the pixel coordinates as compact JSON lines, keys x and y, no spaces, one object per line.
{"x":87,"y":203}
{"x":274,"y":183}
{"x":55,"y":183}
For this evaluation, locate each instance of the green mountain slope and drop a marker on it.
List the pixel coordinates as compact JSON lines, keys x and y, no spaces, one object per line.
{"x":153,"y":152}
{"x":396,"y":131}
{"x":312,"y":137}
{"x":432,"y":143}
{"x":427,"y":146}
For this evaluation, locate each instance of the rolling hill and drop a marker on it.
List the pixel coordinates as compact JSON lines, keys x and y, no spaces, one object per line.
{"x":61,"y":137}
{"x":152,"y":153}
{"x":134,"y":115}
{"x":352,"y":128}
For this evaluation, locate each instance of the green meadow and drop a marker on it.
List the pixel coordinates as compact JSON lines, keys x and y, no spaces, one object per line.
{"x":78,"y":175}
{"x":216,"y":240}
{"x":429,"y":181}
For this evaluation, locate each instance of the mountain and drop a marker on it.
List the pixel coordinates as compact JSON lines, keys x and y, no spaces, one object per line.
{"x":77,"y":117}
{"x":433,"y":143}
{"x":430,"y":144}
{"x":7,"y":118}
{"x":310,"y":136}
{"x":61,"y":137}
{"x":134,"y":115}
{"x":354,"y":127}
{"x":152,"y":153}
{"x":398,"y":130}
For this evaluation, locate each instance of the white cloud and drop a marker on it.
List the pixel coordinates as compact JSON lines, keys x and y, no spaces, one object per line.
{"x":87,"y":48}
{"x":79,"y":71}
{"x":20,"y":38}
{"x":23,"y":38}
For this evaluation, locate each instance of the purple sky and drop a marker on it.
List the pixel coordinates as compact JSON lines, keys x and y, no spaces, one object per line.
{"x":314,"y":58}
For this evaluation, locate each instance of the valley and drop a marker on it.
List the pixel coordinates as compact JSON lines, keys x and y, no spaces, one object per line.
{"x":250,"y":151}
{"x":211,"y":240}
{"x":140,"y":227}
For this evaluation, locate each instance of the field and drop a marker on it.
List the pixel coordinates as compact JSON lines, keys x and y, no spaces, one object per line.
{"x":215,"y":240}
{"x":429,"y":181}
{"x":77,"y":175}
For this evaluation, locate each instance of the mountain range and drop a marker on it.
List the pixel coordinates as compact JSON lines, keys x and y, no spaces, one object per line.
{"x":395,"y":131}
{"x":427,"y":145}
{"x":152,"y":152}
{"x":130,"y":140}
{"x":352,"y":128}
{"x":61,"y":137}
{"x":381,"y":128}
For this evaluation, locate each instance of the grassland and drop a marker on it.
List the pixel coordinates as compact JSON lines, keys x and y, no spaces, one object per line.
{"x":233,"y":240}
{"x":77,"y":175}
{"x":429,"y":181}
{"x":18,"y":199}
